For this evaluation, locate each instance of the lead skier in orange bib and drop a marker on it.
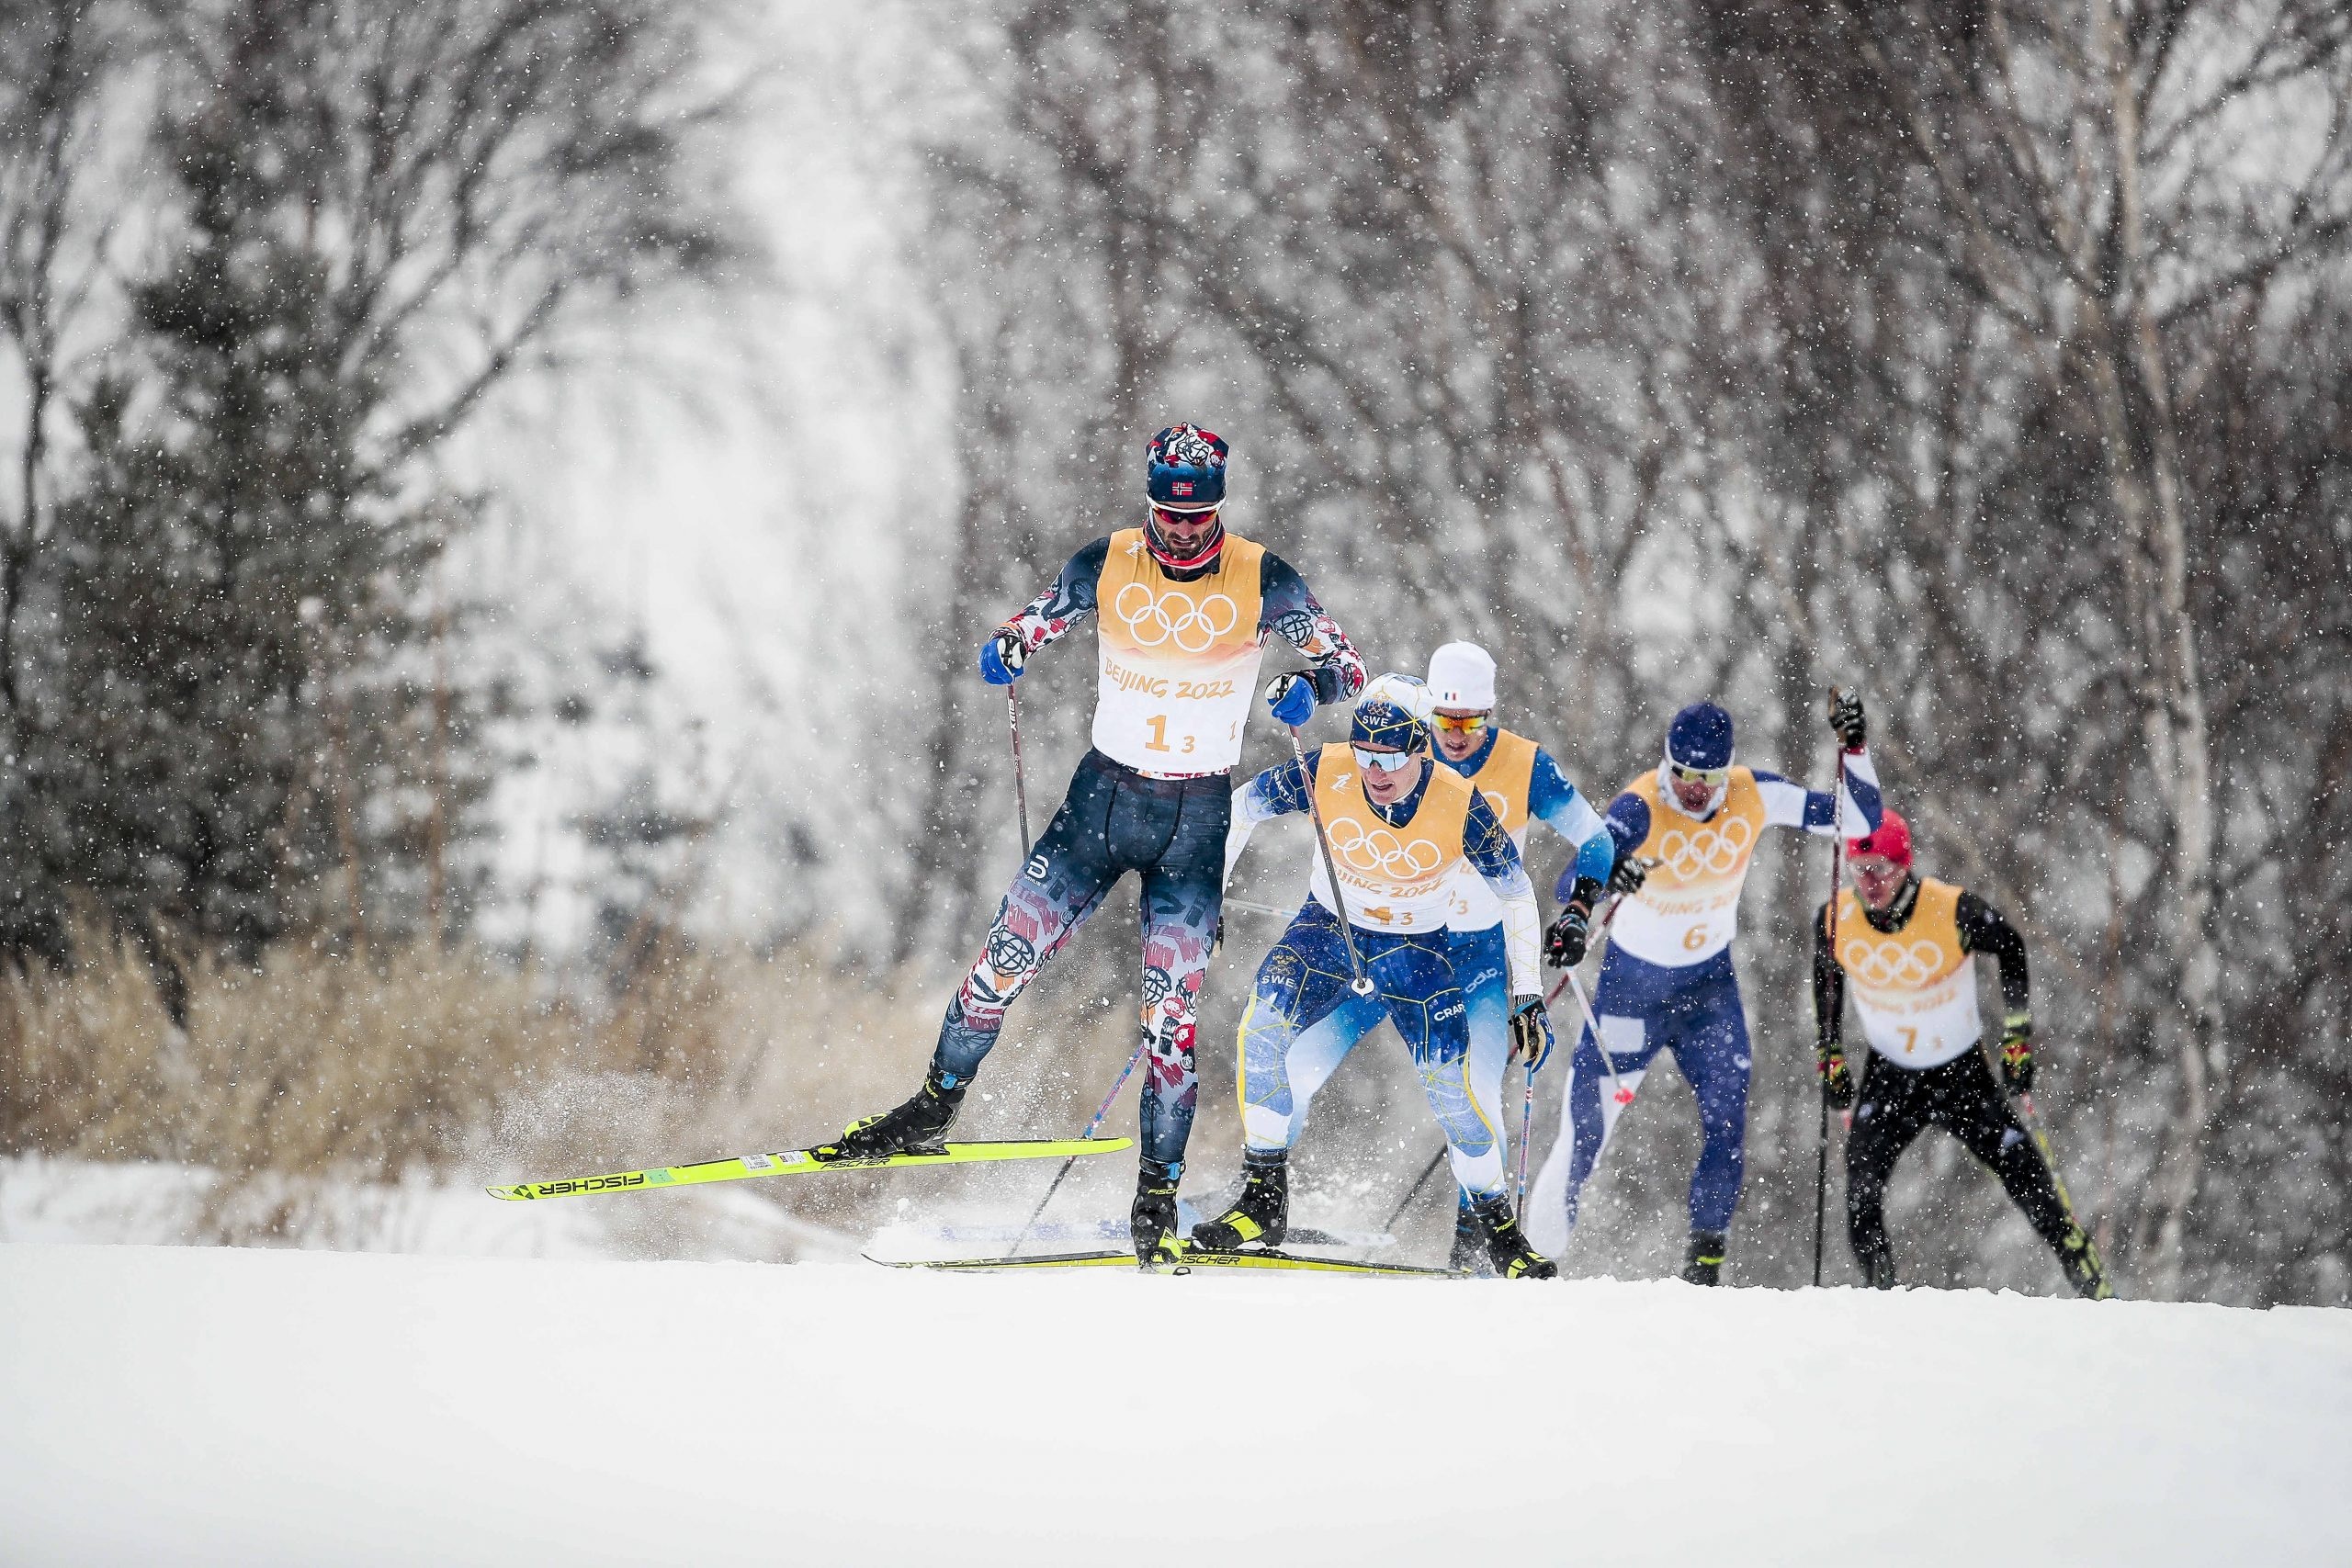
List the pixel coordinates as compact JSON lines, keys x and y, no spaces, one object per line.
{"x":1182,"y":609}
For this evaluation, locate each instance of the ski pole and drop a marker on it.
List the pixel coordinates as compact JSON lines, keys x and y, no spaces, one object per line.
{"x":1361,"y":985}
{"x":1617,"y":1089}
{"x":1526,"y":1131}
{"x":2032,"y":1120}
{"x":1020,"y":780}
{"x":1836,"y":884}
{"x":1247,"y":907}
{"x":1415,"y":1190}
{"x":1101,"y":1111}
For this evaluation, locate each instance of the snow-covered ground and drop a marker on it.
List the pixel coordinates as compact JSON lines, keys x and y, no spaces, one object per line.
{"x":203,"y":1405}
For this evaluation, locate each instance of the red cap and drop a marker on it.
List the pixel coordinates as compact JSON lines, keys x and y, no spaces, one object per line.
{"x":1891,"y":841}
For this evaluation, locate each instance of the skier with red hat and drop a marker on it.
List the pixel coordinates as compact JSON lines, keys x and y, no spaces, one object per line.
{"x":1183,"y":608}
{"x":1909,"y":946}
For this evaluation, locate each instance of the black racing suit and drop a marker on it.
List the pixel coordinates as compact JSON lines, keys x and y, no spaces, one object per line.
{"x":1896,"y":1104}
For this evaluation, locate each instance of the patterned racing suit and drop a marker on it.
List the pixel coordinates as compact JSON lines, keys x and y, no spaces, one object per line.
{"x":1178,"y":656}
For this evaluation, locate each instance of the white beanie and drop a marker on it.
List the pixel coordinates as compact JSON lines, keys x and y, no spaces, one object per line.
{"x":1462,"y":676}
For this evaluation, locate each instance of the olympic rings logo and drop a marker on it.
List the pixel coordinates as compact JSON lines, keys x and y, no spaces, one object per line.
{"x":1716,"y":848}
{"x":1890,"y":965}
{"x":1497,"y":801}
{"x":1381,"y":852}
{"x":1158,"y":618}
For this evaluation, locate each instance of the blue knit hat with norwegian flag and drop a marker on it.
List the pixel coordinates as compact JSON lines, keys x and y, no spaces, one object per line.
{"x":1184,"y":468}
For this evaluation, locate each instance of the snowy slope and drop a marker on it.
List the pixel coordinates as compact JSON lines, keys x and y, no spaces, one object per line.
{"x":186,"y":1405}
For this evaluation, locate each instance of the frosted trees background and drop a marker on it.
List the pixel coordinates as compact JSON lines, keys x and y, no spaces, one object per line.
{"x":1987,"y":358}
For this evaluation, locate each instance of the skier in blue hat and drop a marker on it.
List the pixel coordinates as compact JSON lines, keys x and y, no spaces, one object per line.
{"x":1686,"y":836}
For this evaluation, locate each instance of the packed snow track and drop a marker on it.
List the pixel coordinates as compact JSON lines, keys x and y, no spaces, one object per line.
{"x":200,"y":1406}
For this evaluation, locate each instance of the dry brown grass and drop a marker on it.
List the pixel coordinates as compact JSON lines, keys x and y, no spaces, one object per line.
{"x":325,"y":1066}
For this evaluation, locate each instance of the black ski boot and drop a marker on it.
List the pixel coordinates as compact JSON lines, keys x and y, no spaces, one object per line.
{"x":1152,"y":1221}
{"x":1878,"y":1270}
{"x":917,"y":1127}
{"x":1703,"y":1264}
{"x":2079,"y":1258}
{"x":1260,"y":1214}
{"x":1507,"y":1248}
{"x":1469,"y":1254}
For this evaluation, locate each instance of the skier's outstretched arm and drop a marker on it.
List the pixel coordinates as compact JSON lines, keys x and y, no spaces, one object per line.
{"x":1491,"y":851}
{"x":1983,"y":929}
{"x":1046,"y":619}
{"x":1290,"y":610}
{"x":1279,"y":791}
{"x":1856,"y":806}
{"x":1627,"y":824}
{"x":1558,"y":804}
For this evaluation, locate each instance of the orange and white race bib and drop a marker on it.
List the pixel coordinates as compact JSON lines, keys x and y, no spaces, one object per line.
{"x":1914,"y":990}
{"x":1178,"y":661}
{"x":1688,"y":910}
{"x":1393,"y":879}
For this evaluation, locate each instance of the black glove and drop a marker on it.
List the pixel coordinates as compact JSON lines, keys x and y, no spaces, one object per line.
{"x":1628,"y":875}
{"x":1531,"y":1033}
{"x":1571,"y":934}
{"x":1846,"y":721}
{"x":1836,"y":1083}
{"x":2016,"y":1052}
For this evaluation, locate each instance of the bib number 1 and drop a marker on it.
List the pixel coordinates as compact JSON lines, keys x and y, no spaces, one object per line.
{"x":1157,"y":725}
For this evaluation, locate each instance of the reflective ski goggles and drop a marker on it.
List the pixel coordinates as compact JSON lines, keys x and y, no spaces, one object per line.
{"x":1380,"y":762}
{"x":1184,"y":517}
{"x":1714,"y":778}
{"x":1461,"y":723}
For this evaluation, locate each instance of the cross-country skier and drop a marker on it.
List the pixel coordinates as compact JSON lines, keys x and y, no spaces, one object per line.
{"x":1668,"y":982}
{"x":1398,"y":829}
{"x":1909,"y":948}
{"x":1183,"y":608}
{"x":1524,"y":786}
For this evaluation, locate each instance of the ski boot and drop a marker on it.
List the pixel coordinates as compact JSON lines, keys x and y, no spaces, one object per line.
{"x":1507,"y":1248}
{"x":2079,"y":1258}
{"x":1878,"y":1270}
{"x":1469,"y":1254}
{"x":917,"y":1127}
{"x":1703,"y":1265}
{"x":1262,"y":1212}
{"x":1152,"y":1221}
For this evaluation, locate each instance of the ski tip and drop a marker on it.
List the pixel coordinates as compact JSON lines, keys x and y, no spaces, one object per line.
{"x":510,"y":1194}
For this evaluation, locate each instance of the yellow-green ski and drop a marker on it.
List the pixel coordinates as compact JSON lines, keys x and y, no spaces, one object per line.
{"x":1188,"y":1257}
{"x":800,"y":1162}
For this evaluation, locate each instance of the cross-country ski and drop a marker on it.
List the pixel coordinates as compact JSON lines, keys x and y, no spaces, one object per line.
{"x":804,"y":1162}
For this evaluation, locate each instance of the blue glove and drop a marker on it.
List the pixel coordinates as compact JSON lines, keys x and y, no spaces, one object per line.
{"x":1291,"y":697}
{"x":1530,"y":1034}
{"x":1001,"y":657}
